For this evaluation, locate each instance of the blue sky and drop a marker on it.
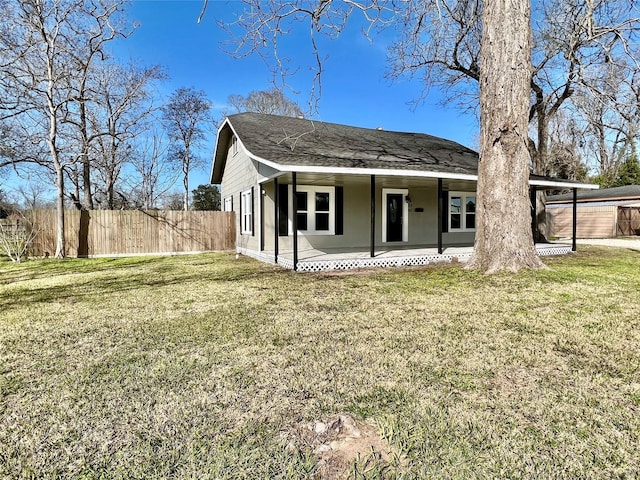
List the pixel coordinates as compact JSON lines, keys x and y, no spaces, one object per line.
{"x":355,"y":91}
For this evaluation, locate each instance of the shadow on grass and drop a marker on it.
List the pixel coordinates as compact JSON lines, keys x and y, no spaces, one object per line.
{"x":93,"y":279}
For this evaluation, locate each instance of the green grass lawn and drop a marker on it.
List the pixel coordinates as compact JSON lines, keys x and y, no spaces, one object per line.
{"x":210,"y":367}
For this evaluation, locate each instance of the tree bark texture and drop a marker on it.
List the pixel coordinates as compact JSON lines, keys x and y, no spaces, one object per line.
{"x":504,"y":240}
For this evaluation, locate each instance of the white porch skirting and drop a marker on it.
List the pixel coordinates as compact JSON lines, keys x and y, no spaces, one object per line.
{"x":395,"y":258}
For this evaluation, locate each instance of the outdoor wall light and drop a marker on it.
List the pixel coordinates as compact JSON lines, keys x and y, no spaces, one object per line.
{"x":407,"y":199}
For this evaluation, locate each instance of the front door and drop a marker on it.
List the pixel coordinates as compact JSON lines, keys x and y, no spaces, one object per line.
{"x":395,"y":208}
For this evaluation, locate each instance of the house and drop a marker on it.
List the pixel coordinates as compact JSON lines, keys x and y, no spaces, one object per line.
{"x":604,"y":213}
{"x":354,"y":197}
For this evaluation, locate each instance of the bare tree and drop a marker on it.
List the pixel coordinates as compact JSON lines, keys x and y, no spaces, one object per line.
{"x":121,"y":105}
{"x":84,"y":58}
{"x":154,"y":175}
{"x":33,"y":195}
{"x":566,"y":152}
{"x":172,"y":201}
{"x":185,"y":116}
{"x":610,"y":111}
{"x":272,"y":102}
{"x":41,"y":44}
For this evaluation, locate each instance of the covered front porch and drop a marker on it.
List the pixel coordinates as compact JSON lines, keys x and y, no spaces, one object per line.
{"x":316,"y":260}
{"x":435,"y":221}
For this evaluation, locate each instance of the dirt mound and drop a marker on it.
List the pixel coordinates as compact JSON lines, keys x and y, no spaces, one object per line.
{"x":341,"y":445}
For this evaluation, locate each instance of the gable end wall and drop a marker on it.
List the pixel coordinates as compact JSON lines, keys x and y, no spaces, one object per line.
{"x":239,"y":175}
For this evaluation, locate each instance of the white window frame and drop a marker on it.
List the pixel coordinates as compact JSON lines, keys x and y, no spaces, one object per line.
{"x":234,"y":145}
{"x":463,"y":212}
{"x":311,"y":191}
{"x":246,"y":207}
{"x":228,"y":204}
{"x":405,"y":213}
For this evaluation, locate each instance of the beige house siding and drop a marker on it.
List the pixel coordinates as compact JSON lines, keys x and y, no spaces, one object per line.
{"x":240,"y":174}
{"x":423,"y":225}
{"x":592,"y":222}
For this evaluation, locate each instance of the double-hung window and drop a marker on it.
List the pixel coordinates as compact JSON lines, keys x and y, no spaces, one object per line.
{"x":462,"y":211}
{"x":228,"y":204}
{"x":246,"y":215}
{"x":315,"y":210}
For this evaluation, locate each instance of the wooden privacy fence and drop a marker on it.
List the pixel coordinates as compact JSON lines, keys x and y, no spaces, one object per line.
{"x":133,"y":232}
{"x":628,"y":220}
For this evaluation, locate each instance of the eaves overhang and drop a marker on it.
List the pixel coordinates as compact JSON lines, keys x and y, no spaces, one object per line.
{"x":547,"y":183}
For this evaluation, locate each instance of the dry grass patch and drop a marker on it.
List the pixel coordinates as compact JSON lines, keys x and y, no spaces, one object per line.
{"x":193,"y":367}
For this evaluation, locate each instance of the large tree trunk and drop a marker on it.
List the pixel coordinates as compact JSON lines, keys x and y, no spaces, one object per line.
{"x":540,"y":161}
{"x":504,"y":239}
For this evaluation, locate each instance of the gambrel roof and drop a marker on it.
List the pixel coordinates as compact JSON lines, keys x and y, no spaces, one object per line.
{"x":290,"y":144}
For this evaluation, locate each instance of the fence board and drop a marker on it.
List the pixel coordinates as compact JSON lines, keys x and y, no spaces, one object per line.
{"x":131,"y":232}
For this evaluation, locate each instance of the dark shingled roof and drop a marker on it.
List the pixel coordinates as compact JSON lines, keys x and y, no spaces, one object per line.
{"x":303,"y":142}
{"x":298,"y":143}
{"x":628,"y":191}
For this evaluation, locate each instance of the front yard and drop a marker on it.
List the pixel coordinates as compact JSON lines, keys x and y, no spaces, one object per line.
{"x":210,"y":367}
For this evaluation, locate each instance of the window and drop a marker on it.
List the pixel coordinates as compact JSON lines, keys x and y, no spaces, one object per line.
{"x":246,"y":212}
{"x":303,"y":212}
{"x":228,"y":204}
{"x":462,"y":211}
{"x":234,"y":145}
{"x":315,"y":210}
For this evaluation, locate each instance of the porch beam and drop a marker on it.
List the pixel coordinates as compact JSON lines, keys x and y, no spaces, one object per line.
{"x":276,"y":223}
{"x":575,"y":220}
{"x":440,"y":209}
{"x":373,"y":217}
{"x":294,"y":188}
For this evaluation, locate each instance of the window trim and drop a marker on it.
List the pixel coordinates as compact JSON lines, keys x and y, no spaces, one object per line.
{"x":463,"y":213}
{"x":234,"y":145}
{"x":311,"y":190}
{"x":246,"y":200}
{"x":227,"y":204}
